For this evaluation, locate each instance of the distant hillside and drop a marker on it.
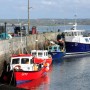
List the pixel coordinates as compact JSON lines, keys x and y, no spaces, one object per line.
{"x":47,"y":22}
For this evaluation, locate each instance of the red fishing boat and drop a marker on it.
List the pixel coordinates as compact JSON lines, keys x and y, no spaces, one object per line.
{"x":42,"y":54}
{"x":25,"y":68}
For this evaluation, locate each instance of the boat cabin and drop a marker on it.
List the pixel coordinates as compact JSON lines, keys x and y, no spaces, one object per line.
{"x":54,"y":48}
{"x":74,"y":32}
{"x":40,"y":53}
{"x":23,"y":62}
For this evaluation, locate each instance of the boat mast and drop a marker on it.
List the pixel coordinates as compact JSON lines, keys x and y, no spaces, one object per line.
{"x":75,"y":26}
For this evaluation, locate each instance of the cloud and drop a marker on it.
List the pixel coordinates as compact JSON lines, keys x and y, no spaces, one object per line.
{"x":45,"y":8}
{"x":48,"y":2}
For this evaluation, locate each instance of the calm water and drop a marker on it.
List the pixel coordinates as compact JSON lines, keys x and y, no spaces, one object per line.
{"x":42,"y":29}
{"x":61,"y":28}
{"x":72,"y":73}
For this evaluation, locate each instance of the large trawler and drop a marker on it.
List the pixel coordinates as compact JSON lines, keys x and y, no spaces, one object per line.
{"x":76,"y":41}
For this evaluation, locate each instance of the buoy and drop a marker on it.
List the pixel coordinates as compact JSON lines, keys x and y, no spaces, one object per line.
{"x":17,"y":67}
{"x":47,"y":68}
{"x":46,"y":64}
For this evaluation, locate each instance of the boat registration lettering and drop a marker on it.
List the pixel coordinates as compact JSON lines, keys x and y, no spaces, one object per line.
{"x":24,"y":74}
{"x":54,"y":53}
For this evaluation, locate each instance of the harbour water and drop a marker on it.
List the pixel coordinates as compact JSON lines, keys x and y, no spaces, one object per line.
{"x":72,"y":73}
{"x":42,"y":29}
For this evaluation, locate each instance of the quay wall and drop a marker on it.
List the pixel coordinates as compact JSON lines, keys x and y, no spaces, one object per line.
{"x":14,"y":45}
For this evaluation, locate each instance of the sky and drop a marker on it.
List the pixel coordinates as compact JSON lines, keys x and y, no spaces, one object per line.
{"x":54,"y":9}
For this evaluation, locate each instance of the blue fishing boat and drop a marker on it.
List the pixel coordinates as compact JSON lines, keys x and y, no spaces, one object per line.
{"x":56,"y":51}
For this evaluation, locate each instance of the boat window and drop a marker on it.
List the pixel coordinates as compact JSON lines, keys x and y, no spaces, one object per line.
{"x":46,"y":53}
{"x":75,"y":34}
{"x":34,"y":53}
{"x":25,"y":61}
{"x":69,"y":33}
{"x":39,"y":54}
{"x":72,"y":34}
{"x":55,"y":48}
{"x":16,"y":61}
{"x":86,"y":39}
{"x":31,"y":61}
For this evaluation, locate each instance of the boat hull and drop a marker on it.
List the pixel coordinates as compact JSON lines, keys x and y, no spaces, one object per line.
{"x":57,"y":55}
{"x":34,"y":83}
{"x":74,"y":47}
{"x":25,"y":76}
{"x":49,"y":60}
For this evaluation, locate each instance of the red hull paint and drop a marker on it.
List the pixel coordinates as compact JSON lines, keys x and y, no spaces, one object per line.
{"x":38,"y":61}
{"x":28,"y":75}
{"x":49,"y":60}
{"x":34,"y":84}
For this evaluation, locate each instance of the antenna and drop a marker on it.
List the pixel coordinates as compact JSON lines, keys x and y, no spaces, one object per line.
{"x":75,"y":25}
{"x":64,"y":23}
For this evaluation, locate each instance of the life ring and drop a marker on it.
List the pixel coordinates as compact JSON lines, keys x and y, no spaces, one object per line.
{"x":17,"y":67}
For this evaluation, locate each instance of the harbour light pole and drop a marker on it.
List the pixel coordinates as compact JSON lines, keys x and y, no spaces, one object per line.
{"x":28,"y":16}
{"x":5,"y":30}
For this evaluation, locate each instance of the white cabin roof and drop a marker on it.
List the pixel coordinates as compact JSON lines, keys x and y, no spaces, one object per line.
{"x":74,"y":31}
{"x":39,"y":51}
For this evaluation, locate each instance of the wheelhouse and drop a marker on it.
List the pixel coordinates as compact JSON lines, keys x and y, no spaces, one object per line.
{"x":54,"y":48}
{"x":40,"y":53}
{"x":74,"y":32}
{"x":25,"y":63}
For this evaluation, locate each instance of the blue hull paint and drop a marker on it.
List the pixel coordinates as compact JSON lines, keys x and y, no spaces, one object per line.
{"x":57,"y":55}
{"x":22,"y":81}
{"x":72,"y":47}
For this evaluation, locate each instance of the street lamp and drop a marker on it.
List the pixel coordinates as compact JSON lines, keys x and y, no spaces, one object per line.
{"x":29,"y":15}
{"x":5,"y":29}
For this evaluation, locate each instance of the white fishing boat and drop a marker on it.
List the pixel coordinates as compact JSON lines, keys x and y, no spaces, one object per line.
{"x":76,"y":41}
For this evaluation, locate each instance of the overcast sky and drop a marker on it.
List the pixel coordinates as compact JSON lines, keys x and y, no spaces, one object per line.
{"x":12,"y":9}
